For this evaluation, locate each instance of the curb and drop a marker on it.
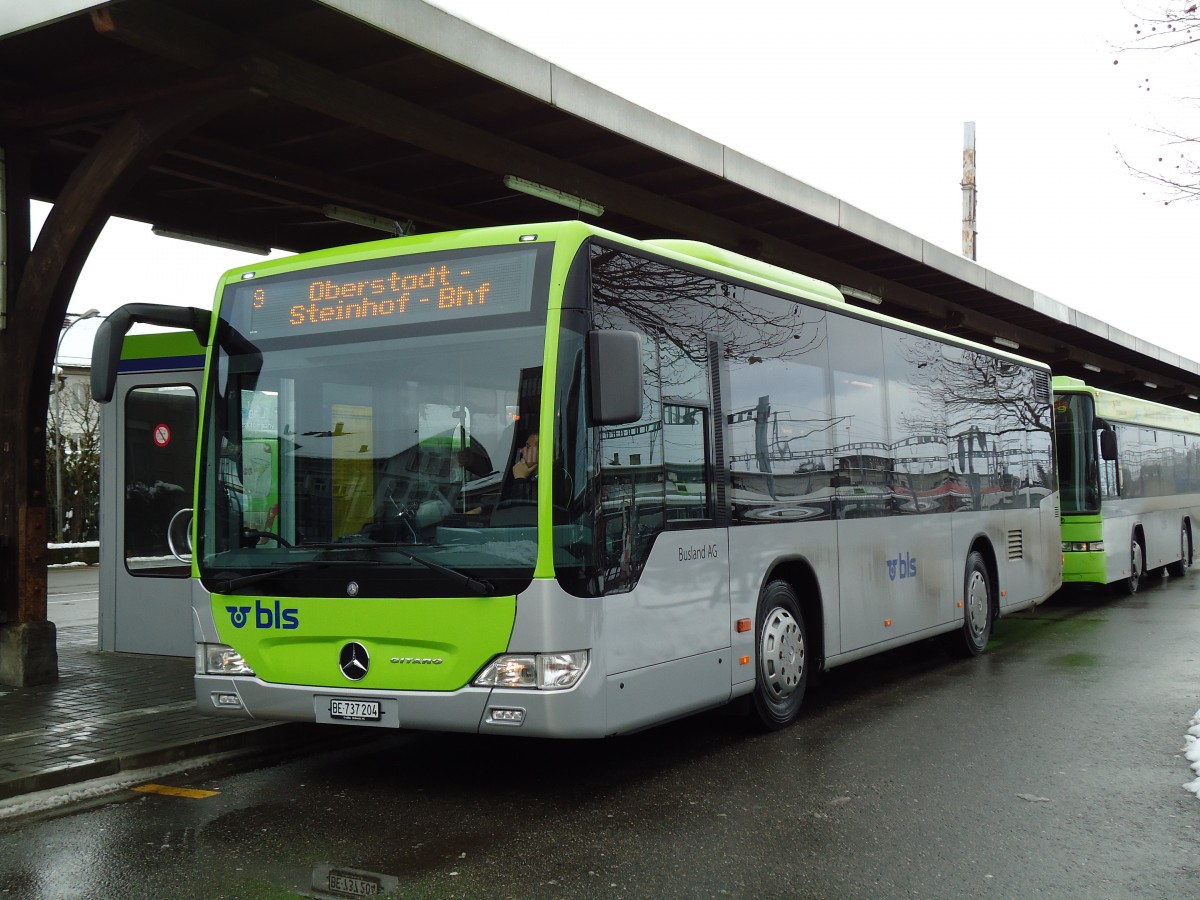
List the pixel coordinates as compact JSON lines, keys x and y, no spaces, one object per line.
{"x":281,"y":739}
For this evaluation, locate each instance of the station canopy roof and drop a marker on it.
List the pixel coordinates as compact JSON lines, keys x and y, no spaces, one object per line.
{"x":397,"y":110}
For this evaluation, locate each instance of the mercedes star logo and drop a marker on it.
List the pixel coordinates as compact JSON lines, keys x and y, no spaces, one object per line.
{"x":354,"y":661}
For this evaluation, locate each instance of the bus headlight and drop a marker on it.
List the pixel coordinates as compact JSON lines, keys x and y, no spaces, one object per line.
{"x":539,"y":671}
{"x":218,"y":659}
{"x":1082,"y":546}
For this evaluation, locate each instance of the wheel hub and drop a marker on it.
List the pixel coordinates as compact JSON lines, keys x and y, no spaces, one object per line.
{"x":977,"y":604}
{"x":782,"y":653}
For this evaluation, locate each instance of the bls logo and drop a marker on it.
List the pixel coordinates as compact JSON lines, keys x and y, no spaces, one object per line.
{"x":264,"y":616}
{"x":903,"y":565}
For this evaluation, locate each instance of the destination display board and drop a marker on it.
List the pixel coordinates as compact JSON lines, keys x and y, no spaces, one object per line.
{"x":393,"y":291}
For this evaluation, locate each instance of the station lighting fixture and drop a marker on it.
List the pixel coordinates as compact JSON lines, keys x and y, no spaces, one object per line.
{"x":1005,"y":342}
{"x":209,"y":240}
{"x":1193,"y":397}
{"x":367,"y":220}
{"x":1091,"y":368}
{"x":554,"y":195}
{"x":1150,"y":384}
{"x":857,"y":294}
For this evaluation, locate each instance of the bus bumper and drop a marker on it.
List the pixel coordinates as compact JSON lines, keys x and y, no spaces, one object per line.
{"x":1084,"y":567}
{"x":529,"y":713}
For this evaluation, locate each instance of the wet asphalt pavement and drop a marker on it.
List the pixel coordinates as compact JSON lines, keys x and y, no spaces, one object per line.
{"x":1050,"y":767}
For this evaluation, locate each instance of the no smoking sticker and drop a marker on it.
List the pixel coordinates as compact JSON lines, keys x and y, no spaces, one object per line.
{"x":162,"y":435}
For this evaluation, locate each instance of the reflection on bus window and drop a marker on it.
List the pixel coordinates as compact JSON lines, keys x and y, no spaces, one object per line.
{"x":160,"y":454}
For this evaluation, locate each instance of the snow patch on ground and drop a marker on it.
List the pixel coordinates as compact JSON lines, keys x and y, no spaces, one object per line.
{"x":1191,"y":750}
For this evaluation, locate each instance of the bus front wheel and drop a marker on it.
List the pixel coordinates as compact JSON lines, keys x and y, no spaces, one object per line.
{"x":782,"y":657}
{"x":1133,"y":580}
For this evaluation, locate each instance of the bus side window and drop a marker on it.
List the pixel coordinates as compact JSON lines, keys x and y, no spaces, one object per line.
{"x":685,"y":437}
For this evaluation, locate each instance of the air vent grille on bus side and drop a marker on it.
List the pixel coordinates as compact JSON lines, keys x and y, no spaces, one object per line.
{"x":1016,"y":544}
{"x":1041,"y":383}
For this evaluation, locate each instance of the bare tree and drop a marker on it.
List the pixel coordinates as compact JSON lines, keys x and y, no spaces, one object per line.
{"x":1173,"y":30}
{"x":79,"y":421}
{"x":967,"y":386}
{"x":680,"y":308}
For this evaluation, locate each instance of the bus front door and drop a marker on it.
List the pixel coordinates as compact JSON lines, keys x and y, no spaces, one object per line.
{"x":147,"y":472}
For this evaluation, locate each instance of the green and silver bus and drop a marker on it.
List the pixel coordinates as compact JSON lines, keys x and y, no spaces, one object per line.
{"x":1129,"y":473}
{"x":738,"y":481}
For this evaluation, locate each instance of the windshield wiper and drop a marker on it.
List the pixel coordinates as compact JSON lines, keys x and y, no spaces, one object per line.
{"x":225,"y":585}
{"x":233,"y":582}
{"x":477,"y":586}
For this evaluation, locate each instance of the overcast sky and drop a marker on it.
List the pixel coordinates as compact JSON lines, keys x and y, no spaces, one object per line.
{"x":867,"y":103}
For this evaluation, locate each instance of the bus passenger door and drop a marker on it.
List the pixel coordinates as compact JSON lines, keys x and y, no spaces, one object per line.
{"x":669,"y":651}
{"x":147,"y":478}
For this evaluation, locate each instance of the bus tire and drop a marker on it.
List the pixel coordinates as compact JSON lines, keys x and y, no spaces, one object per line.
{"x":782,"y":648}
{"x":1180,"y":567}
{"x":978,"y":612}
{"x":1137,"y":564}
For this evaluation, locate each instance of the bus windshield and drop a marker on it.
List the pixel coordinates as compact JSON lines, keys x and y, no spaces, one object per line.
{"x":383,"y":449}
{"x":1078,"y":473}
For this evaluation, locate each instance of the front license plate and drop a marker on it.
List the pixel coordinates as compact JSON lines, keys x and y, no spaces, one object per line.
{"x":381,"y":712}
{"x":348,"y":884}
{"x":354,"y":710}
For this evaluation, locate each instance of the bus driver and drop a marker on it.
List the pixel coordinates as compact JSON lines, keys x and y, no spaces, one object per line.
{"x":524,"y":471}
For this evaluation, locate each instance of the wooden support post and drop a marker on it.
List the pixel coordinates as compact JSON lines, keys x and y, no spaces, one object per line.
{"x":35,"y":313}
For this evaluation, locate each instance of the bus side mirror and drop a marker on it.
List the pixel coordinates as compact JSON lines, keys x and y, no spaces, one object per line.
{"x":1108,"y":445}
{"x":110,"y":337}
{"x":614,"y":364}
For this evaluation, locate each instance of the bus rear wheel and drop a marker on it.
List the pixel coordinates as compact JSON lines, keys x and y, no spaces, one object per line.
{"x":782,"y":657}
{"x":978,"y":614}
{"x":1180,"y":568}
